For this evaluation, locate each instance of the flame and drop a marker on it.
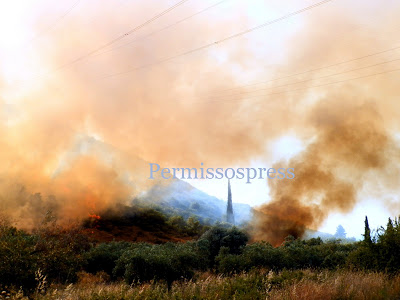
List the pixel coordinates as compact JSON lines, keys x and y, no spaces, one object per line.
{"x":91,"y":200}
{"x":94,"y":216}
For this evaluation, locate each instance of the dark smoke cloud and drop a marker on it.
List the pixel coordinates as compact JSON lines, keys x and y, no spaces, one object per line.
{"x":350,"y":141}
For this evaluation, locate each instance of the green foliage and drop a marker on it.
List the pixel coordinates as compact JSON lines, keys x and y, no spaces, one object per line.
{"x":60,"y":252}
{"x":190,"y":227}
{"x":363,"y":258}
{"x":381,"y":254}
{"x":333,"y":254}
{"x":228,"y":263}
{"x":53,"y":252}
{"x":17,"y":262}
{"x":177,"y":222}
{"x":103,"y":256}
{"x":217,"y":237}
{"x":168,"y":262}
{"x":367,"y":232}
{"x":293,"y":254}
{"x":193,"y":226}
{"x":262,"y":254}
{"x":388,"y":247}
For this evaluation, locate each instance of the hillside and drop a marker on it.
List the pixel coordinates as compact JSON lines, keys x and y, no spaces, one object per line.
{"x":171,"y":196}
{"x":179,"y":197}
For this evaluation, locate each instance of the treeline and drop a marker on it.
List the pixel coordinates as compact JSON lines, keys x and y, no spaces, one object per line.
{"x":380,"y":252}
{"x":56,"y":255}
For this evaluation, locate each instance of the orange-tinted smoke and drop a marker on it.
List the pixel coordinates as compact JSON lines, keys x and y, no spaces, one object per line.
{"x":77,"y":134}
{"x":350,"y":142}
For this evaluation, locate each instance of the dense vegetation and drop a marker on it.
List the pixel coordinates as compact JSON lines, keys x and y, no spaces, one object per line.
{"x":32,"y":263}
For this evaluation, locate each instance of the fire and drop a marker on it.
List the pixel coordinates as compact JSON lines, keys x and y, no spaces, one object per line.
{"x":91,"y":200}
{"x":94,"y":216}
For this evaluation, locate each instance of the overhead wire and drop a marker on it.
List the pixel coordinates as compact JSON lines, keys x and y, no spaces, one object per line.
{"x":312,"y":70}
{"x":161,"y":29}
{"x":308,"y":80}
{"x":220,"y":40}
{"x":53,"y":24}
{"x":303,"y":88}
{"x":317,"y":86}
{"x":120,"y":37}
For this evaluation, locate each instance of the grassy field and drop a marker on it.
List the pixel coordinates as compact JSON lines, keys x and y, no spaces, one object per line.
{"x":257,"y":284}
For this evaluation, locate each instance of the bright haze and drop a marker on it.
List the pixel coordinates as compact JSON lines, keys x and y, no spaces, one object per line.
{"x":170,"y":82}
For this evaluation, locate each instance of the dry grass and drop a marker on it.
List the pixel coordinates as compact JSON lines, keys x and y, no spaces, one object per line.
{"x":342,"y":285}
{"x":259,"y":284}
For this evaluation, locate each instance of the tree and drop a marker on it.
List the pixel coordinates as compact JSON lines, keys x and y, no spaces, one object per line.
{"x":218,"y":237}
{"x":388,"y":245}
{"x":177,"y":223}
{"x":193,"y":226}
{"x":103,"y":256}
{"x":18,"y":261}
{"x":365,"y":257}
{"x":367,"y":232}
{"x":340,"y":232}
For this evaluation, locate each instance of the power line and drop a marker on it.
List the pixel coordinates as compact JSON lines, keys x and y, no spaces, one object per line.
{"x":336,"y":82}
{"x":221,"y":40}
{"x":330,"y":83}
{"x":157,"y":16}
{"x":304,"y":72}
{"x":48,"y":28}
{"x":312,"y":79}
{"x":162,"y":29}
{"x":304,"y":88}
{"x":313,"y":70}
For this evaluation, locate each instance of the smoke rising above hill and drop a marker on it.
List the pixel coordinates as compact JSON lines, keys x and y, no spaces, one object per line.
{"x":179,"y":113}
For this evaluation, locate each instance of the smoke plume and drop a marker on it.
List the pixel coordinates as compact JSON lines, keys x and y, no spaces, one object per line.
{"x":350,"y":142}
{"x":74,"y":136}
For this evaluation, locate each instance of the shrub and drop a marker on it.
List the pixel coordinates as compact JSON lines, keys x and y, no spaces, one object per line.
{"x":168,"y":262}
{"x":17,"y":260}
{"x":262,"y":254}
{"x":218,"y":237}
{"x":229,"y":263}
{"x":103,"y":257}
{"x":60,"y":252}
